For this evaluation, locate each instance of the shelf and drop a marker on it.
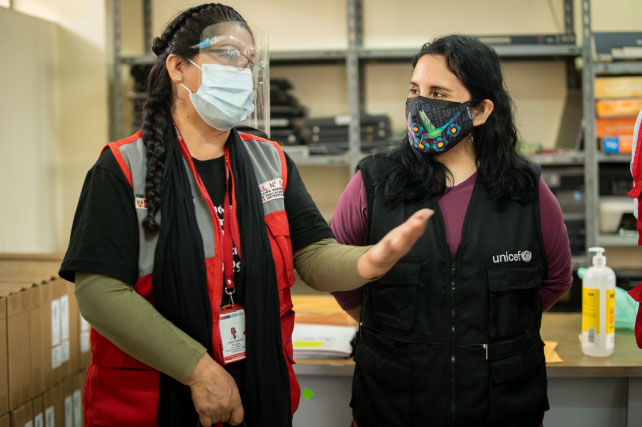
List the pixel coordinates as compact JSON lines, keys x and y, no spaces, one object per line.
{"x":615,"y":68}
{"x":579,"y":216}
{"x":322,"y":160}
{"x":573,"y":158}
{"x":300,"y":154}
{"x":580,"y":261}
{"x":616,"y":240}
{"x":503,"y":51}
{"x":138,"y":59}
{"x":311,"y":56}
{"x":614,"y":157}
{"x":317,"y":56}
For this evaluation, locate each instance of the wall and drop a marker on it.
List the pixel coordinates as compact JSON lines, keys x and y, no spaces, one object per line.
{"x":60,"y":78}
{"x":29,"y":124}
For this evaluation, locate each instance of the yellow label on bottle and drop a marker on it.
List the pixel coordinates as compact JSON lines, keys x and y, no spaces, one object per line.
{"x":590,"y":311}
{"x":610,"y":311}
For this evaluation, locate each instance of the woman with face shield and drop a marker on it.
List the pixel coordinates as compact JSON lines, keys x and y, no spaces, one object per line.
{"x":450,"y":336}
{"x":184,"y":243}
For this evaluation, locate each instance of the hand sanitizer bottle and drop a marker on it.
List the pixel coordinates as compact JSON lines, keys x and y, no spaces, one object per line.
{"x":598,"y":307}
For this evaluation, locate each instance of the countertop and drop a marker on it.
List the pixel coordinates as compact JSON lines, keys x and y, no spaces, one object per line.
{"x":564,"y":328}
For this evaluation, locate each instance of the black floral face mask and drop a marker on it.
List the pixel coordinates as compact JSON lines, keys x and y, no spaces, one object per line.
{"x":436,"y":126}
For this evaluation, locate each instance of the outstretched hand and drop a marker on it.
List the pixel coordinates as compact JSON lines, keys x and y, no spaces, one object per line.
{"x":394,"y":245}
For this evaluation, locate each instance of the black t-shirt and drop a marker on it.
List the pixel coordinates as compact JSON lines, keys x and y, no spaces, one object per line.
{"x":104,"y":234}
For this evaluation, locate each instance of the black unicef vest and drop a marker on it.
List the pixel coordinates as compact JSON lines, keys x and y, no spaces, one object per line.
{"x":453,"y":340}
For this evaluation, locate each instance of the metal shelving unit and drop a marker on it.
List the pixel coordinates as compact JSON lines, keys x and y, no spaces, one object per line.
{"x":561,"y":159}
{"x":616,"y":240}
{"x":356,"y":57}
{"x":593,"y":157}
{"x":613,"y":157}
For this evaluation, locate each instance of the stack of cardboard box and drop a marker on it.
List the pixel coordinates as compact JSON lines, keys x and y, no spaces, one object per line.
{"x":618,"y":102}
{"x":44,"y":345}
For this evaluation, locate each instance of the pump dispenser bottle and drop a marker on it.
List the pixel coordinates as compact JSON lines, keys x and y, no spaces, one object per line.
{"x":598,"y":307}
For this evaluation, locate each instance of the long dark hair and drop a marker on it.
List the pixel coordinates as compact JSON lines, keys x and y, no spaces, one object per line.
{"x":416,"y":175}
{"x":178,"y":38}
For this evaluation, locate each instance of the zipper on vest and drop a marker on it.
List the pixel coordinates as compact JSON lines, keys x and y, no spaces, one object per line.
{"x":453,"y":275}
{"x":485,"y":347}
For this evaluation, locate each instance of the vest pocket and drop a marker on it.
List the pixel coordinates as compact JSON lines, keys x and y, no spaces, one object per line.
{"x":279,"y":232}
{"x":393,"y":298}
{"x":380,"y":388}
{"x":514,"y":303}
{"x":517,"y":389}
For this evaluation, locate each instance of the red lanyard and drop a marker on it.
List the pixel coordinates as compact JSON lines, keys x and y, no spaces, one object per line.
{"x":228,"y":230}
{"x":226,"y":235}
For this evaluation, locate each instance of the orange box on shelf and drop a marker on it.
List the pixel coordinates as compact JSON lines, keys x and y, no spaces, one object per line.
{"x":618,"y":107}
{"x":618,"y":87}
{"x":614,"y":126}
{"x":617,"y":144}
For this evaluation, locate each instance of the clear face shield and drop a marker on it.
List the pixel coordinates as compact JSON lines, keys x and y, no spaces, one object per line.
{"x":234,"y":44}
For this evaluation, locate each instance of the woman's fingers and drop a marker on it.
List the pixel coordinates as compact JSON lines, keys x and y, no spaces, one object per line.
{"x":394,"y":245}
{"x":237,"y":415}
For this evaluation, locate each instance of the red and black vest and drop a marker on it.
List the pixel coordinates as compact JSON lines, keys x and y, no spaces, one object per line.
{"x":122,"y":391}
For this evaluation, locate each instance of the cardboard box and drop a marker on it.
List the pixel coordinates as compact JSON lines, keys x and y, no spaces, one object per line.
{"x":84,"y":343}
{"x":618,"y":87}
{"x":59,"y":346}
{"x":49,"y":402}
{"x":38,"y":411}
{"x":617,"y":144}
{"x":29,"y":268}
{"x":614,"y":126}
{"x":22,"y":416}
{"x":74,"y":331}
{"x":45,"y":349}
{"x":36,"y":334}
{"x":79,"y":381}
{"x":5,"y":420}
{"x":618,"y":107}
{"x":59,"y":405}
{"x":4,"y":367}
{"x":18,"y":343}
{"x":68,"y":385}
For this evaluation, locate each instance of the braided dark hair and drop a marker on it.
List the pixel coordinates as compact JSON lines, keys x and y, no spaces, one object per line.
{"x":178,"y":38}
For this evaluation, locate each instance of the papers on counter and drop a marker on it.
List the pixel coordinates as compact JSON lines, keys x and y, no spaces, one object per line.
{"x":322,"y":341}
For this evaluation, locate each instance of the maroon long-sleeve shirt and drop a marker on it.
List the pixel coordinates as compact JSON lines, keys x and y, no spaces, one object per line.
{"x":350,"y":218}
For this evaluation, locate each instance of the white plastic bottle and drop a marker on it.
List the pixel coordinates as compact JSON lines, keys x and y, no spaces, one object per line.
{"x":598,"y":307}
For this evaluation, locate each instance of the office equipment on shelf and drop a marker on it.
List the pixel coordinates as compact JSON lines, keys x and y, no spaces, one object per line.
{"x":286,"y":113}
{"x":567,"y":184}
{"x":612,"y":210}
{"x":615,"y":180}
{"x":329,"y":135}
{"x":528,"y":39}
{"x":617,"y":144}
{"x":618,"y":107}
{"x":618,"y":87}
{"x":618,"y":45}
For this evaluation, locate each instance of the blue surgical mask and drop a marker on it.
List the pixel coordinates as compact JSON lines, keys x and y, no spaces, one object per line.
{"x":225,"y":97}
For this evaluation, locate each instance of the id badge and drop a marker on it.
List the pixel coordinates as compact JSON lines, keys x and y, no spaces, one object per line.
{"x":231,"y":325}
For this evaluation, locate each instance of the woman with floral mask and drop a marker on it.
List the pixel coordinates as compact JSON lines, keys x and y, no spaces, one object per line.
{"x":450,"y":336}
{"x":184,"y":241}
